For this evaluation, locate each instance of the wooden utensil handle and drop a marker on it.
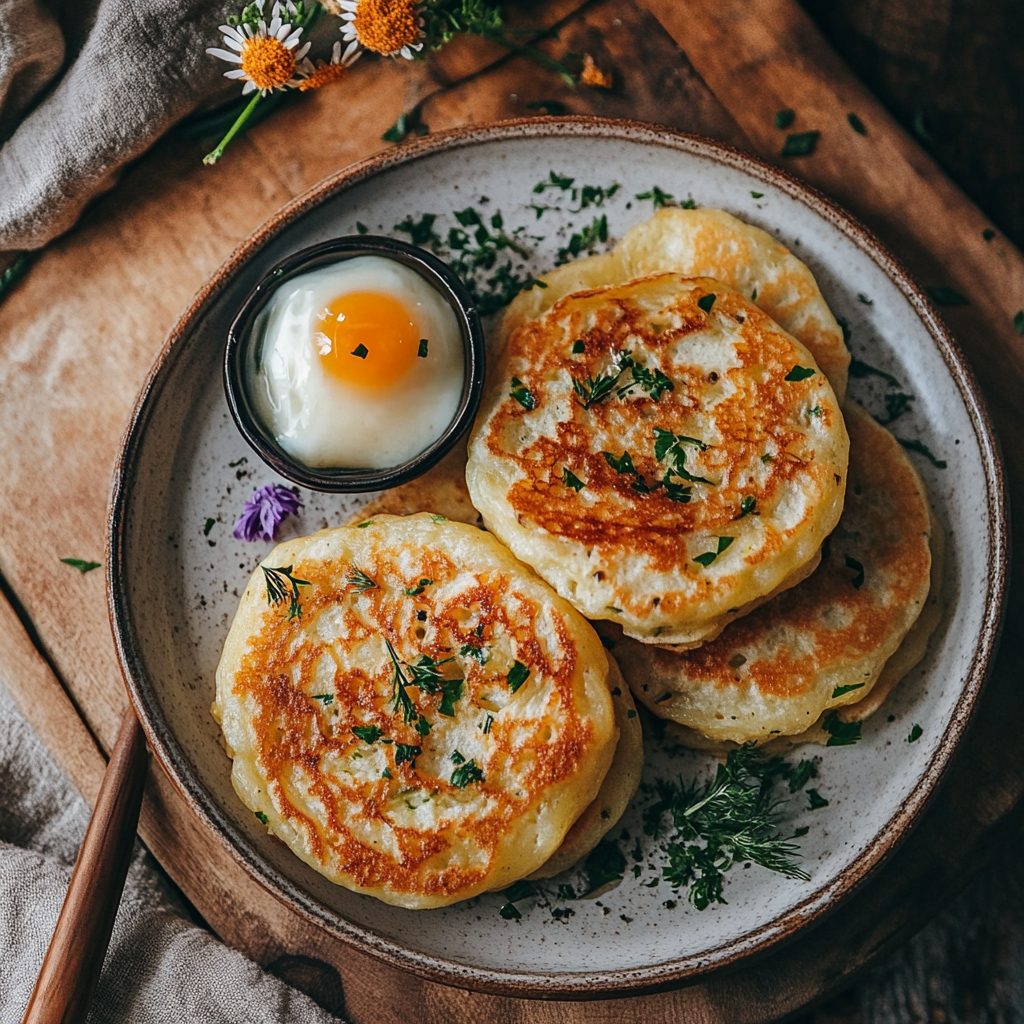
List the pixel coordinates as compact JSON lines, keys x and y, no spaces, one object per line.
{"x":71,"y":969}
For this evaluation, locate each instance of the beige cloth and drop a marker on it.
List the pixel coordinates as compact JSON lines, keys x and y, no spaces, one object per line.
{"x":160,"y":968}
{"x":86,"y":86}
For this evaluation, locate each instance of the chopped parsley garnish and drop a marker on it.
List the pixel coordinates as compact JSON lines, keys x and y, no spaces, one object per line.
{"x":418,"y":589}
{"x":988,"y":234}
{"x":83,"y":566}
{"x":815,"y":800}
{"x":578,"y":347}
{"x":367,"y":733}
{"x":670,"y":448}
{"x":748,"y":505}
{"x":757,"y":195}
{"x":420,"y":232}
{"x":858,"y":368}
{"x":522,"y":394}
{"x":570,"y":479}
{"x":1018,"y":321}
{"x":858,"y":569}
{"x":735,"y":814}
{"x":856,"y":123}
{"x":653,"y":382}
{"x":422,"y":726}
{"x":800,"y":144}
{"x":784,"y":118}
{"x":604,"y":866}
{"x":467,"y":773}
{"x":676,"y":492}
{"x":517,"y":675}
{"x":326,"y":698}
{"x":709,"y":556}
{"x":360,"y":582}
{"x":657,"y":197}
{"x":593,"y":389}
{"x":451,"y":691}
{"x":456,"y":757}
{"x":862,"y":298}
{"x":915,"y":733}
{"x":896,"y":404}
{"x":509,"y":913}
{"x":916,"y":445}
{"x":800,"y":775}
{"x":478,"y":654}
{"x":840,"y":734}
{"x":363,"y":525}
{"x":423,"y":347}
{"x":706,"y":302}
{"x":406,"y":752}
{"x":283,"y":586}
{"x":535,"y":283}
{"x":362,"y":228}
{"x":262,"y":818}
{"x":488,"y":722}
{"x":581,"y":241}
{"x":558,"y":181}
{"x":943,"y":295}
{"x":386,"y":774}
{"x":360,"y":351}
{"x":800,"y":373}
{"x":621,"y":464}
{"x":425,"y":673}
{"x":210,"y":523}
{"x":593,"y":195}
{"x":438,"y":518}
{"x":665,"y":441}
{"x":849,"y":688}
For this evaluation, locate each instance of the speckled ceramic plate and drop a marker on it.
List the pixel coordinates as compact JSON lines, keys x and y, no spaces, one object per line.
{"x":176,"y":571}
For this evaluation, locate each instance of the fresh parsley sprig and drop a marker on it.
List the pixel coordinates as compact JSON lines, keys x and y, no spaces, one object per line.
{"x":283,"y":586}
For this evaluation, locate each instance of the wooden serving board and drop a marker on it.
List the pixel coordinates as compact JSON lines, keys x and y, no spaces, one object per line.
{"x":77,"y":337}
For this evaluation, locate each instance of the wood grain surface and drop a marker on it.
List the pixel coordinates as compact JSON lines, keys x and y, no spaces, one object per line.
{"x":77,"y":337}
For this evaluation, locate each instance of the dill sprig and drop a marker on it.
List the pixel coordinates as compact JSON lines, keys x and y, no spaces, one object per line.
{"x":399,"y":692}
{"x":732,"y":817}
{"x":283,"y":586}
{"x":592,"y":389}
{"x":360,"y":582}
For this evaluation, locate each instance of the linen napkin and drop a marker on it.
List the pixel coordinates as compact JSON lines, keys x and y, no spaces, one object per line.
{"x":161,"y":968}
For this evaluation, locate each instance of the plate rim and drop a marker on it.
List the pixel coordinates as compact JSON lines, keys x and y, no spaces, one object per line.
{"x":536,"y":984}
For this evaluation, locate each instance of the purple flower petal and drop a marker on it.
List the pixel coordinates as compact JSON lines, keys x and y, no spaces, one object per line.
{"x":265,"y":510}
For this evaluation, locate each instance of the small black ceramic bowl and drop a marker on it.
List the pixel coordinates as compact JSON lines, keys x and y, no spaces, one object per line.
{"x":239,"y":354}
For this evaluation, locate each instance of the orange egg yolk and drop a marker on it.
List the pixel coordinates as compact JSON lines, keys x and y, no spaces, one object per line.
{"x":367,"y":339}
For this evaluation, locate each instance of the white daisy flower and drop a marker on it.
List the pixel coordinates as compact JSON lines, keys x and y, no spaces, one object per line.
{"x":324,"y":74}
{"x":267,"y":56}
{"x":389,"y":27}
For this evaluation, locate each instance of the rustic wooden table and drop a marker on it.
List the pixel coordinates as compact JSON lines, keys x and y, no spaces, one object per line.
{"x":77,"y":337}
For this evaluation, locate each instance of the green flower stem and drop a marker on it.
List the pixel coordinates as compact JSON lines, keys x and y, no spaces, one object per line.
{"x":216,"y":154}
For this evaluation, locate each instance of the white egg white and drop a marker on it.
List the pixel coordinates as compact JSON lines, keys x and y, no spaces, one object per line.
{"x":325,"y":422}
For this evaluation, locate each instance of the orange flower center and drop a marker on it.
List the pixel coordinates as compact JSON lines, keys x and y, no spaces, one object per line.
{"x":385,"y":26}
{"x":267,"y":62}
{"x":324,"y":74}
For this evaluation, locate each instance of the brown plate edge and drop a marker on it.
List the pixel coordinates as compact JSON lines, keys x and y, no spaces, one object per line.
{"x":577,"y":985}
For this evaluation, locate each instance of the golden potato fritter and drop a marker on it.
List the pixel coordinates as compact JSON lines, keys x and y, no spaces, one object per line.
{"x":662,"y":453}
{"x":432,"y":721}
